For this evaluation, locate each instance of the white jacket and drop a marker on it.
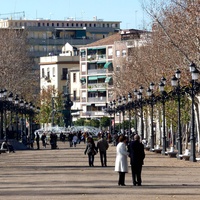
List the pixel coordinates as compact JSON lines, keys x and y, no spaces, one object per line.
{"x":121,"y":163}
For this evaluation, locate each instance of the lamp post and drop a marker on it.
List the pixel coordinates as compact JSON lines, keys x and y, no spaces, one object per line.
{"x":163,"y":97}
{"x":119,"y":103}
{"x":129,"y":114}
{"x":139,"y":96}
{"x":195,"y":76}
{"x":114,"y":107}
{"x":151,"y":96}
{"x":16,"y":102}
{"x":123,"y":111}
{"x":135,"y":92}
{"x":175,"y":82}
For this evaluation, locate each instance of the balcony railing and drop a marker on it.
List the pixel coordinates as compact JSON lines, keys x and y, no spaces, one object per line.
{"x":96,"y":71}
{"x":96,"y":85}
{"x":96,"y":99}
{"x":93,"y":113}
{"x":96,"y":57}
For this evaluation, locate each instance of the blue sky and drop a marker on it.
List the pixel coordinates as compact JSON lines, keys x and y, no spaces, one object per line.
{"x":129,"y":12}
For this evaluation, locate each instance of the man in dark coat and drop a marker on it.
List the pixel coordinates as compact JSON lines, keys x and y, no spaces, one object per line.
{"x":137,"y":155}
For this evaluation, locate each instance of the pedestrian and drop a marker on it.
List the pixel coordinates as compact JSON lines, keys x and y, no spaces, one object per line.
{"x":74,"y":140}
{"x":121,"y":163}
{"x":91,"y":151}
{"x":137,"y":155}
{"x":102,"y":146}
{"x":43,"y":138}
{"x":37,"y":140}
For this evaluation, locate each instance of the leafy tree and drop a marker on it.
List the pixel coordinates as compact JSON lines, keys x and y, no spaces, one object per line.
{"x":79,"y":122}
{"x":105,"y":122}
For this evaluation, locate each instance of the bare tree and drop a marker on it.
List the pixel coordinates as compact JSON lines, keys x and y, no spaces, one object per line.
{"x":17,"y":74}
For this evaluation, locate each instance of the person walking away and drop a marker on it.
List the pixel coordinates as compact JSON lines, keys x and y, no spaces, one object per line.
{"x":43,"y":138}
{"x":90,"y":150}
{"x":37,"y":140}
{"x":121,"y":163}
{"x":137,"y":156}
{"x":74,"y":140}
{"x":102,"y":146}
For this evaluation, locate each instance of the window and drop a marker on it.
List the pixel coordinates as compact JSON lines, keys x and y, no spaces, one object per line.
{"x":74,"y":93}
{"x":48,"y":73}
{"x":58,"y":24}
{"x":110,"y":51}
{"x":74,"y":77}
{"x":64,"y":73}
{"x":53,"y":71}
{"x":118,"y":53}
{"x":52,"y":24}
{"x":124,"y":53}
{"x":83,"y":67}
{"x":42,"y":72}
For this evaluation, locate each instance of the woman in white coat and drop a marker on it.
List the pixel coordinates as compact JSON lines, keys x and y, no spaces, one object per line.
{"x":121,"y":163}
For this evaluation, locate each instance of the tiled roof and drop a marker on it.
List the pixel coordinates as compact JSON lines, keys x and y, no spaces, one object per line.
{"x":106,"y":41}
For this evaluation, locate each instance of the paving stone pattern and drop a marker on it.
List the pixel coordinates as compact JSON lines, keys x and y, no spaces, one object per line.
{"x":64,"y":174}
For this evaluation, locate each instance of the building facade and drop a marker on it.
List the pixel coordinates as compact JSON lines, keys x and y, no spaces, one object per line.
{"x":48,"y":36}
{"x":99,"y":63}
{"x":54,"y":71}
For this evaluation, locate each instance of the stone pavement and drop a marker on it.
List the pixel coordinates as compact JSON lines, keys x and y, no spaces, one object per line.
{"x":64,"y":174}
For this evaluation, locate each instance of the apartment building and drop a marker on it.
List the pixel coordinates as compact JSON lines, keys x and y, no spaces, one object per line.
{"x":48,"y":36}
{"x":98,"y":63}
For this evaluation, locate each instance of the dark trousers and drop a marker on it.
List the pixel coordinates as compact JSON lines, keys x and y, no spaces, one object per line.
{"x":121,"y":178}
{"x":91,"y":159}
{"x":103,"y":158}
{"x":136,"y":174}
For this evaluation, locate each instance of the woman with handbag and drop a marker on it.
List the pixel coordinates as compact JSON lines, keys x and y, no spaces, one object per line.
{"x":91,"y":151}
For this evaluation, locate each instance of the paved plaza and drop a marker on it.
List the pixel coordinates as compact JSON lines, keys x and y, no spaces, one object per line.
{"x":64,"y":174}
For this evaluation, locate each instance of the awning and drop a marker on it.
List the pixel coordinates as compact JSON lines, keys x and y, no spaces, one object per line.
{"x":100,"y":62}
{"x":96,"y":48}
{"x":101,"y":90}
{"x":108,"y":64}
{"x":83,"y":80}
{"x":92,"y":78}
{"x":101,"y":77}
{"x":108,"y":79}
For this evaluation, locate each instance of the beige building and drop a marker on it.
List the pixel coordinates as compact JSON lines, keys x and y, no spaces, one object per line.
{"x":55,"y":69}
{"x":98,"y":63}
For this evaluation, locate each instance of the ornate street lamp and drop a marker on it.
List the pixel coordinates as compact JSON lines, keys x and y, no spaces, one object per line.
{"x":163,"y":98}
{"x":123,"y":107}
{"x":151,"y":96}
{"x":135,"y":92}
{"x":139,"y":96}
{"x":129,"y":114}
{"x":195,"y":76}
{"x":175,"y":82}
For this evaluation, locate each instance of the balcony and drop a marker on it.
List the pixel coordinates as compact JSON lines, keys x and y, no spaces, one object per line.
{"x":96,"y":57}
{"x":93,"y":113}
{"x":96,"y":71}
{"x":96,"y":85}
{"x":96,"y":99}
